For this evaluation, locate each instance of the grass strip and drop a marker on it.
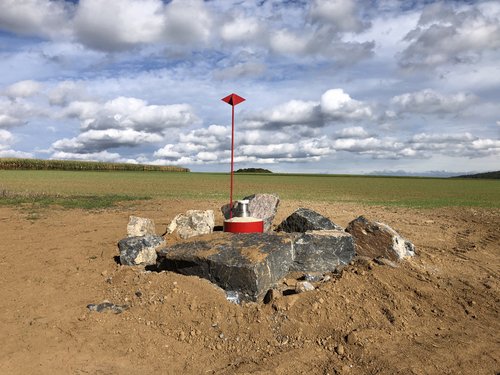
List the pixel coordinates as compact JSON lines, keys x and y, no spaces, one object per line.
{"x":88,"y":202}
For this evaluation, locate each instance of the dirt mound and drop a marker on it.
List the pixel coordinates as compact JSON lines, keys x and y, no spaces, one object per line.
{"x":437,"y":313}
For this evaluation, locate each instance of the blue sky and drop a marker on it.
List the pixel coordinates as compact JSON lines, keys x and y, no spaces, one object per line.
{"x":332,"y":86}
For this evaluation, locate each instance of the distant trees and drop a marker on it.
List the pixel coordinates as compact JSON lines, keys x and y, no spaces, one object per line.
{"x":253,"y":170}
{"x":488,"y":175}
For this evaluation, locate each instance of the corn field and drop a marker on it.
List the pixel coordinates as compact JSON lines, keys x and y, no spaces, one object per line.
{"x":71,"y":165}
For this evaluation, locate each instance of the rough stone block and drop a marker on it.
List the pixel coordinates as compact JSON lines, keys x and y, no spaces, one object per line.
{"x":322,"y":251}
{"x":192,"y":223}
{"x":140,"y":250}
{"x":376,"y":240}
{"x":249,"y":264}
{"x":260,"y":206}
{"x":140,"y":226}
{"x":304,"y":220}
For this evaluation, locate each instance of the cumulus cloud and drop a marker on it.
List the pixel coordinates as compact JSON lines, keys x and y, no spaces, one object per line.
{"x":342,"y":15}
{"x":100,"y":140}
{"x":241,"y":29}
{"x":352,"y":132}
{"x":7,"y":121}
{"x":447,"y":35}
{"x":5,"y":138}
{"x":212,"y":146}
{"x":192,"y":25}
{"x":338,"y":105}
{"x":66,"y":92}
{"x":461,"y":144}
{"x":45,"y":18}
{"x":18,"y":112}
{"x":240,"y":70}
{"x":15,"y":154}
{"x":429,"y":101}
{"x":93,"y":156}
{"x":112,"y":25}
{"x":131,"y":113}
{"x":118,"y":24}
{"x":294,"y":112}
{"x":6,"y":141}
{"x":335,"y":105}
{"x":121,"y":122}
{"x":188,"y":21}
{"x":319,"y":43}
{"x":23,"y":89}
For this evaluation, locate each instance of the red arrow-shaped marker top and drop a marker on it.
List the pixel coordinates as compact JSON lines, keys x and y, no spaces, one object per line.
{"x":233,"y":99}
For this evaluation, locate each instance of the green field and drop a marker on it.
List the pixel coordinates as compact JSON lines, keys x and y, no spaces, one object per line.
{"x":102,"y":189}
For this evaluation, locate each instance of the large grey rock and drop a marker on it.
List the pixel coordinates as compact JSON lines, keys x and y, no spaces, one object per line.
{"x":192,"y":223}
{"x":260,"y":206}
{"x":322,"y":251}
{"x":140,"y":226}
{"x":140,"y":250}
{"x":249,"y":264}
{"x":375,"y":240}
{"x":305,"y":219}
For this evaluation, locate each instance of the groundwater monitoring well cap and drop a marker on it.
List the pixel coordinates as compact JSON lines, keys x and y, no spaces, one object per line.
{"x":244,"y":225}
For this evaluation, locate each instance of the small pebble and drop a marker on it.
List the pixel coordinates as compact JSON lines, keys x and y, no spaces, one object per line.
{"x":340,"y":349}
{"x":304,"y":286}
{"x":352,"y":338}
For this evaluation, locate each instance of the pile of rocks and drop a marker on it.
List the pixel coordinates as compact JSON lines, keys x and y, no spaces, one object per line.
{"x":247,"y":266}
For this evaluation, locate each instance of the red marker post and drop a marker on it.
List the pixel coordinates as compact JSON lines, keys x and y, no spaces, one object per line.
{"x":232,"y":100}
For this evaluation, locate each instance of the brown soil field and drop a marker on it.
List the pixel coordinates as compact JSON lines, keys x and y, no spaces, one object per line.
{"x":437,"y":313}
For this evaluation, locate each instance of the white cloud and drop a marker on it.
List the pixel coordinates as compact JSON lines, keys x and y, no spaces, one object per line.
{"x":45,"y":18}
{"x":335,"y":105}
{"x":188,"y":21}
{"x":458,"y":145}
{"x":352,"y":132}
{"x":430,"y":101}
{"x":6,"y":141}
{"x":100,"y":140}
{"x":342,"y":15}
{"x":293,"y":112}
{"x":240,"y":70}
{"x":66,"y":92}
{"x":7,"y":121}
{"x":118,"y":24}
{"x":168,"y":152}
{"x":5,"y":138}
{"x":447,"y":35}
{"x":15,"y":154}
{"x":442,"y":138}
{"x":286,"y":42}
{"x":322,"y":43}
{"x":131,"y":113}
{"x":18,"y":112}
{"x":241,"y":29}
{"x":23,"y":89}
{"x":95,"y":156}
{"x":338,"y":105}
{"x":121,"y":122}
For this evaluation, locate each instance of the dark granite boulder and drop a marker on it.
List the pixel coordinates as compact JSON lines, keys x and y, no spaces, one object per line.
{"x":305,"y":219}
{"x":249,"y":264}
{"x":376,"y":240}
{"x":322,"y":251}
{"x":140,"y":250}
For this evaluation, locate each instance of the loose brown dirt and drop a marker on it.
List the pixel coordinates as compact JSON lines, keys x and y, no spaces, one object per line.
{"x":437,"y":313}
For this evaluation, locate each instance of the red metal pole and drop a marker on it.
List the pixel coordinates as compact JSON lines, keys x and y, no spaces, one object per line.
{"x":232,"y":164}
{"x":232,"y":100}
